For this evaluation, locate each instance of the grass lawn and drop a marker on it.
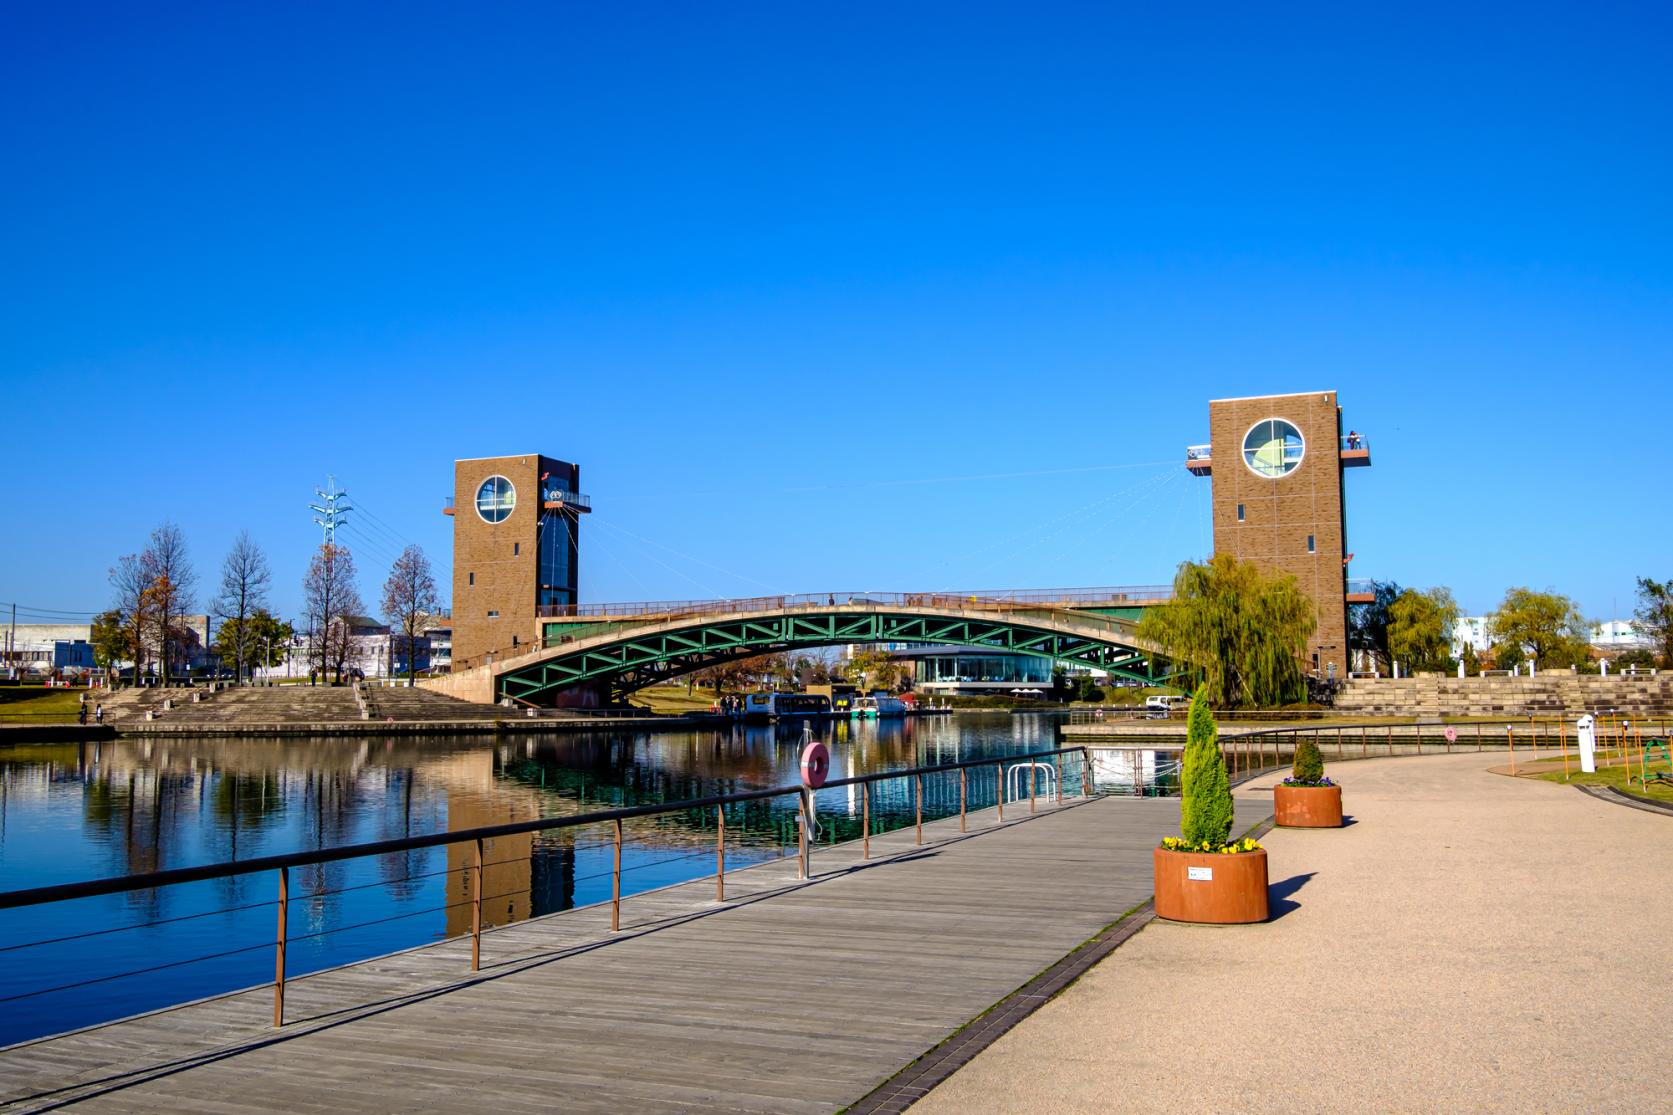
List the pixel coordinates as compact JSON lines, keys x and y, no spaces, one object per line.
{"x":671,"y":699}
{"x":1616,"y":776}
{"x":36,"y":704}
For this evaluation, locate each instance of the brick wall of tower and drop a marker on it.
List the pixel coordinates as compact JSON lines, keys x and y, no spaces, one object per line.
{"x":1279,"y":513}
{"x":494,"y":564}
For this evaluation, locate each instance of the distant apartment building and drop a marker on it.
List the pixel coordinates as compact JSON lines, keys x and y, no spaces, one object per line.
{"x":1471,"y":631}
{"x":1620,"y":634}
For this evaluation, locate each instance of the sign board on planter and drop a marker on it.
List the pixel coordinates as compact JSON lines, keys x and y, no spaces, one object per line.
{"x":1199,"y":874}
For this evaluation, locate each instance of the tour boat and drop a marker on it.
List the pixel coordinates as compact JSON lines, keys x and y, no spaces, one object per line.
{"x":879,"y":707}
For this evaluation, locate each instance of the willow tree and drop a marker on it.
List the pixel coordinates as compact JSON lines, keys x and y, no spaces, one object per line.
{"x":1239,"y":632}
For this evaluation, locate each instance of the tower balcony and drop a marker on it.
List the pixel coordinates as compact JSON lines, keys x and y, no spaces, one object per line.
{"x":447,"y":506}
{"x":1354,"y":451}
{"x":556,"y":499}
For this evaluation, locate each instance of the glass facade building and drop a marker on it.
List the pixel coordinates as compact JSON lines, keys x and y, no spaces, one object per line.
{"x":963,"y":670}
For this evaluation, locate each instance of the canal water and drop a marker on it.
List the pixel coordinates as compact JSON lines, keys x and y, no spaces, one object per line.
{"x":75,"y":812}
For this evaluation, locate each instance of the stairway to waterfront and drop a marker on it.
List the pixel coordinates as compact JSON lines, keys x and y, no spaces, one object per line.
{"x":294,"y":704}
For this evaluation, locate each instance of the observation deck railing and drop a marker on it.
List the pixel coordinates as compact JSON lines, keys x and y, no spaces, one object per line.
{"x":1069,"y":764}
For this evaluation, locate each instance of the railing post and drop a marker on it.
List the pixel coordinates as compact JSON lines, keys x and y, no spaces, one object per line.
{"x":476,"y":910}
{"x":999,"y":784}
{"x":616,"y":883}
{"x":720,"y":853}
{"x":804,"y":821}
{"x":1032,"y":771}
{"x":1510,"y":742}
{"x":865,"y":840}
{"x":918,"y":796}
{"x":1478,"y":736}
{"x":1086,"y":772}
{"x":961,"y":799}
{"x":1390,"y":740}
{"x":279,"y":950}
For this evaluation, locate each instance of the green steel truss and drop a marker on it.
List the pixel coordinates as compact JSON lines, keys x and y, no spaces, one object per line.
{"x":637,"y":660}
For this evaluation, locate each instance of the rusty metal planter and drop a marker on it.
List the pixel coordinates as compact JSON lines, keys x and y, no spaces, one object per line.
{"x":1307,"y":807}
{"x":1233,"y":893}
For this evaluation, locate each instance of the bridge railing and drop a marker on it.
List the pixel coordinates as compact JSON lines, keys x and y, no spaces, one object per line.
{"x":851,"y":816}
{"x":989,"y":599}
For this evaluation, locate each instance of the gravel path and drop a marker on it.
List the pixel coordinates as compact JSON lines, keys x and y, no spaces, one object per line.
{"x":1471,"y":942}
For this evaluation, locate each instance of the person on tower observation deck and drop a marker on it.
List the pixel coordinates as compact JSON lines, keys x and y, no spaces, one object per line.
{"x":1353,"y":439}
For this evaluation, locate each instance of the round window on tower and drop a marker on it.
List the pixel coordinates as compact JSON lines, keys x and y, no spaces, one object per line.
{"x":1273,"y":448}
{"x":495,"y":499}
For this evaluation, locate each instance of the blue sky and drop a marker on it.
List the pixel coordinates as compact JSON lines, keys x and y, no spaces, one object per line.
{"x":835,"y":297}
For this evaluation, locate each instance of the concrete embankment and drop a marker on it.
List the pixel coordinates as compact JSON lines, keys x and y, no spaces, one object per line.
{"x":11,"y":734}
{"x":510,"y":723}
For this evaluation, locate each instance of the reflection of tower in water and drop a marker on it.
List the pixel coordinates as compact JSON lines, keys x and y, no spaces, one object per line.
{"x":475,"y":800}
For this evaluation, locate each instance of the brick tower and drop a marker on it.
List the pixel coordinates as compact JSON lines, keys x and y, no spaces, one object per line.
{"x":516,"y":530}
{"x":1277,"y":500}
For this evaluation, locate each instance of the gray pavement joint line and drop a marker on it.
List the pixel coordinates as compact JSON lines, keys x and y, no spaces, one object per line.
{"x":903,"y":1089}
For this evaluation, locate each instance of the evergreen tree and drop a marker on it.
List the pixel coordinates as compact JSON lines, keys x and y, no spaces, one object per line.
{"x":1309,"y":764}
{"x":1205,"y":801}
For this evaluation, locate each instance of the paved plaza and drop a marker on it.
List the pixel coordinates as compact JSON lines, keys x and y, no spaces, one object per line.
{"x":1469,"y":942}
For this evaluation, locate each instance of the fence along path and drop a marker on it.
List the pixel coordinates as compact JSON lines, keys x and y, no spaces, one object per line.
{"x":791,"y":996}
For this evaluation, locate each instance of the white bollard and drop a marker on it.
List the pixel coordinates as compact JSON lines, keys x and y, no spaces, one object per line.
{"x":1585,"y":735}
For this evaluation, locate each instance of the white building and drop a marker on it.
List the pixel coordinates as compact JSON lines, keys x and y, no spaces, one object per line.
{"x":1471,"y":631}
{"x":1620,"y":634}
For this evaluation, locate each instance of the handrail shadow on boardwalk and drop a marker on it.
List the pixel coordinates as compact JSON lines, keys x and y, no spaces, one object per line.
{"x":55,"y":1098}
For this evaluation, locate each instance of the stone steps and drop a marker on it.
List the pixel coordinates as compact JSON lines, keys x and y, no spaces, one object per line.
{"x":1556,"y":694}
{"x":295,"y":704}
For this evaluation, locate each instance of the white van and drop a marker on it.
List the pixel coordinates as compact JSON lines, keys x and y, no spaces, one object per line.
{"x":1163,"y":704}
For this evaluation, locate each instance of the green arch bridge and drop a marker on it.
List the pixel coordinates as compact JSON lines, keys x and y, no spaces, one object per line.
{"x":600,"y":653}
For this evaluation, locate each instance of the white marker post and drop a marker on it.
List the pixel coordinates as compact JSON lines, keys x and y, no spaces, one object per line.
{"x":1585,"y":736}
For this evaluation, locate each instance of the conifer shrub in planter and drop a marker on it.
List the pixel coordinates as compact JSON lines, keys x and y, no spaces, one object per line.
{"x":1200,"y":877}
{"x":1307,"y":799}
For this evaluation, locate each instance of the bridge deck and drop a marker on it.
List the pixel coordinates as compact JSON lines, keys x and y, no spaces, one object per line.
{"x":791,"y":997}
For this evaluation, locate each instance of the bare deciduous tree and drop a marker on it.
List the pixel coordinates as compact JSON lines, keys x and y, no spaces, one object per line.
{"x":245,"y":578}
{"x":329,"y":600}
{"x":170,"y":579}
{"x":409,"y":599}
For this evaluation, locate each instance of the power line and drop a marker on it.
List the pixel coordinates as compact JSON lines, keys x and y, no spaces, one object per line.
{"x":688,"y":557}
{"x":32,"y":610}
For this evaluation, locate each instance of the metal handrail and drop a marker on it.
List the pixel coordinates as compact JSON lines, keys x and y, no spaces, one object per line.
{"x":35,"y":896}
{"x":983,"y":599}
{"x":806,"y":826}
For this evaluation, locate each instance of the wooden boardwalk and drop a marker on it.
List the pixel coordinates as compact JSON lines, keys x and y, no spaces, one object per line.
{"x":791,"y":997}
